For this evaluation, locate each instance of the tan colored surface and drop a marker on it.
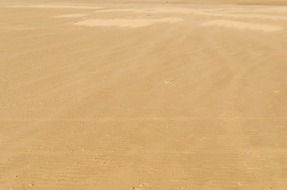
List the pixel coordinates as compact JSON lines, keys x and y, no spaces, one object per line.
{"x":143,"y":97}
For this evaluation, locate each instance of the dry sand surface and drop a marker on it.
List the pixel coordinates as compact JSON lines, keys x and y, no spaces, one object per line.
{"x":143,"y":96}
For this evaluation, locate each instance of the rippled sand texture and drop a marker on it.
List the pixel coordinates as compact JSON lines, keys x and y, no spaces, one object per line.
{"x":143,"y":97}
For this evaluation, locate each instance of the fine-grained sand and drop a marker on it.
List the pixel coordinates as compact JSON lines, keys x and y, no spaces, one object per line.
{"x":243,"y":25}
{"x":143,"y":96}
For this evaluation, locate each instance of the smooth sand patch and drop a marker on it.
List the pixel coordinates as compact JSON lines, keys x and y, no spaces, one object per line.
{"x":125,"y":10}
{"x":53,"y":6}
{"x":71,"y":16}
{"x":157,"y":10}
{"x":257,"y":9}
{"x":215,"y":12}
{"x":133,"y":23}
{"x":243,"y":25}
{"x":244,"y":15}
{"x":153,"y":10}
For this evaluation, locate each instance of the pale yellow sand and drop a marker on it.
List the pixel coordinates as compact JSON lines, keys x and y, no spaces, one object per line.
{"x":243,"y":25}
{"x":142,"y":96}
{"x":70,"y":16}
{"x":40,"y":6}
{"x":126,"y":22}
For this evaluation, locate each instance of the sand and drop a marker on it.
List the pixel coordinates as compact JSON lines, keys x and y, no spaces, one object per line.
{"x":243,"y":25}
{"x":143,"y":96}
{"x":134,"y":23}
{"x":71,"y":16}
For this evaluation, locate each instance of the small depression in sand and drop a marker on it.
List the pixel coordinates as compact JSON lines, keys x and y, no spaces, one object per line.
{"x":70,"y":16}
{"x":133,"y":23}
{"x":243,"y":25}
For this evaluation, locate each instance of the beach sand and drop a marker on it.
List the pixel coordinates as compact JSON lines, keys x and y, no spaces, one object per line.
{"x":143,"y":95}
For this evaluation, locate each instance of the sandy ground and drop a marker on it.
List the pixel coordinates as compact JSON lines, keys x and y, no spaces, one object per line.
{"x":143,"y":97}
